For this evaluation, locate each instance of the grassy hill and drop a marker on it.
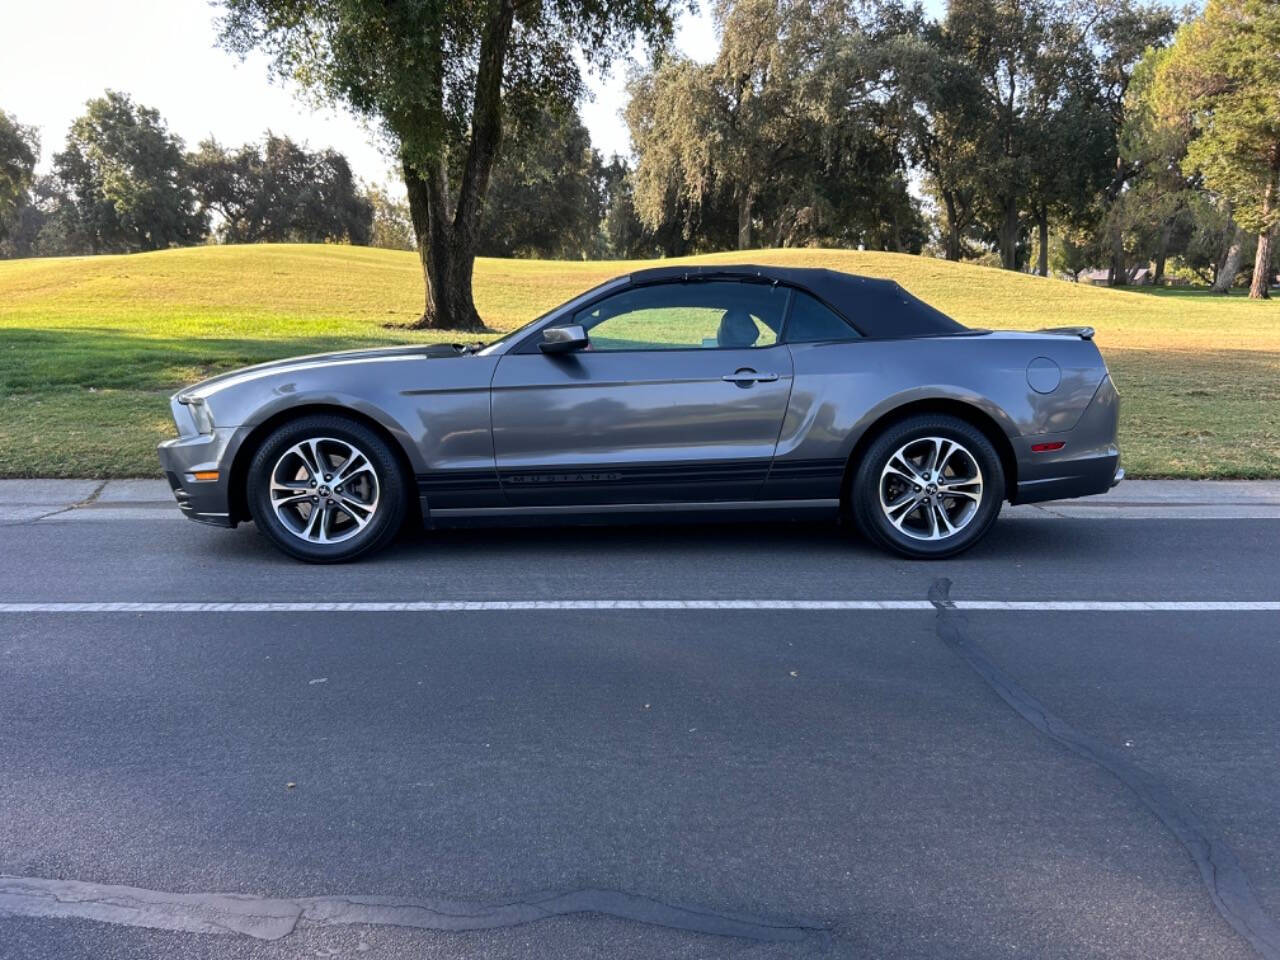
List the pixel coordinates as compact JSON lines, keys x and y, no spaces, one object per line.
{"x":90,"y":347}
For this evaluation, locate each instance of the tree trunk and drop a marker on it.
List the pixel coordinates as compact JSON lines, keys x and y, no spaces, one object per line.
{"x":1162,"y":253}
{"x":1009,"y":236}
{"x":1117,"y":271}
{"x":746,"y":198}
{"x":447,"y":260}
{"x":1260,"y":289}
{"x":1042,"y":265}
{"x":953,"y":226}
{"x":1231,"y":266}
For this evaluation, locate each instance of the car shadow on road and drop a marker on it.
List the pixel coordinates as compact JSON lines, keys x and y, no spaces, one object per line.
{"x":1008,"y":539}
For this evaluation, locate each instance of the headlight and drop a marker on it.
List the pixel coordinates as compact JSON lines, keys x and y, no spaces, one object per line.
{"x":201,"y":415}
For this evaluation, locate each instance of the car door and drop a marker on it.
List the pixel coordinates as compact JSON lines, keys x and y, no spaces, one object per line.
{"x":679,"y":396}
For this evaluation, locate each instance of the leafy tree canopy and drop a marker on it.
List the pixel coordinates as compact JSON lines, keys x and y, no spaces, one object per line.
{"x":785,"y":130}
{"x":19,"y":150}
{"x":126,"y":180}
{"x":278,"y":191}
{"x":546,"y":197}
{"x":1222,"y":81}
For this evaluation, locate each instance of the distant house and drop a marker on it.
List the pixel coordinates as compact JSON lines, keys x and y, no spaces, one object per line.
{"x":1098,"y":277}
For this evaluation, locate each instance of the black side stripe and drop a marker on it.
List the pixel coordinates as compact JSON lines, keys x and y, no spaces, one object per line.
{"x":806,"y":469}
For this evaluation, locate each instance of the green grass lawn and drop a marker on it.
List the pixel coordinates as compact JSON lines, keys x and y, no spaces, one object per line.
{"x":91,"y":347}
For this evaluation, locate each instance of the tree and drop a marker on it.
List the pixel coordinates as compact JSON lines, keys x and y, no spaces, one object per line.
{"x":1072,"y":134}
{"x":40,"y":227}
{"x":1216,"y":246}
{"x":440,"y":77}
{"x":1072,"y":253}
{"x":786,"y":135}
{"x":280,"y":192}
{"x":1012,"y":108}
{"x":938,"y":100}
{"x":1121,"y":32}
{"x":392,"y":226}
{"x":1024,"y":130}
{"x":19,"y":150}
{"x":126,"y":179}
{"x":545,"y":199}
{"x":671,"y":114}
{"x":1149,"y":218}
{"x":623,"y":235}
{"x":1003,"y":42}
{"x":1223,"y":79}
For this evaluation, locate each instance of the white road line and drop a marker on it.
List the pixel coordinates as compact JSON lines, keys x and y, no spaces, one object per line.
{"x":1124,"y":606}
{"x":462,"y":606}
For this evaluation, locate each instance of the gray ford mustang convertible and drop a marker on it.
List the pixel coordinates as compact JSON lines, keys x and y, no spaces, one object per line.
{"x":734,"y":391}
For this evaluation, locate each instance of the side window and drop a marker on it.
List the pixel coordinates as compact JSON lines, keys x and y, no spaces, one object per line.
{"x":687,"y":315}
{"x":811,"y":321}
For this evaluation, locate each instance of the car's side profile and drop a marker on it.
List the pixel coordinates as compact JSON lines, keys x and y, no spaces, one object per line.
{"x":731,"y":390}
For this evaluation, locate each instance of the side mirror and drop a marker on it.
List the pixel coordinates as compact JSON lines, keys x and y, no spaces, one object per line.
{"x":563,"y":339}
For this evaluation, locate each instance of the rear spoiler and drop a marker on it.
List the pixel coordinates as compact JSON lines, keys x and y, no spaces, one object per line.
{"x":1084,"y":333}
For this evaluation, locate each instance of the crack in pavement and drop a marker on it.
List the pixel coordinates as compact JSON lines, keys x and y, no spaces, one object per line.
{"x":97,"y":492}
{"x":267,"y":918}
{"x":1223,"y":876}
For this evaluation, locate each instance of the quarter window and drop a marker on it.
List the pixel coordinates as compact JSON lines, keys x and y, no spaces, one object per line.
{"x":690,"y":315}
{"x":810,"y":321}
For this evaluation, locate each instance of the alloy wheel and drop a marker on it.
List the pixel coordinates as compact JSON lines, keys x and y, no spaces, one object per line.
{"x":324,"y":490}
{"x":931,"y":488}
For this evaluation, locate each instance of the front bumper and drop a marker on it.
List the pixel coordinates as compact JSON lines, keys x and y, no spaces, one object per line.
{"x":205,"y":501}
{"x":1088,"y":462}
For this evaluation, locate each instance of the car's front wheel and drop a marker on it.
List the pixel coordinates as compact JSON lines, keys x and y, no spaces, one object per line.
{"x":928,"y":487}
{"x":326,"y":489}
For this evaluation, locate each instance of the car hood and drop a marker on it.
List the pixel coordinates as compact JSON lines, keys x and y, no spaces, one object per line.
{"x":206,"y":388}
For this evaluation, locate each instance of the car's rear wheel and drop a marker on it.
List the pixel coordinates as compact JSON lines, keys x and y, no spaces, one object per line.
{"x":326,"y":489}
{"x":928,"y":487}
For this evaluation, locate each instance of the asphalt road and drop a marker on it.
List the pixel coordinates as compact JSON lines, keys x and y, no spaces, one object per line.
{"x":835,"y":783}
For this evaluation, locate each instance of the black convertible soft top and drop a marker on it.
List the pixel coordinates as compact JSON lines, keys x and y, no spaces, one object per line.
{"x":879,"y":309}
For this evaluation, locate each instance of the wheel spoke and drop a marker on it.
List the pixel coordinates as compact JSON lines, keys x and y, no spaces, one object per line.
{"x":909,"y":496}
{"x":353,"y":509}
{"x":942,"y":453}
{"x":960,"y":490}
{"x":901,"y":466}
{"x":901,"y":517}
{"x":903,"y":511}
{"x":314,"y":529}
{"x":933,"y":521}
{"x":942,"y":521}
{"x":354,"y":465}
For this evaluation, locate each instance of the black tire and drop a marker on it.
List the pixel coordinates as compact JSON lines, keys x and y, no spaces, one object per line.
{"x":389,"y":496}
{"x":915,"y":435}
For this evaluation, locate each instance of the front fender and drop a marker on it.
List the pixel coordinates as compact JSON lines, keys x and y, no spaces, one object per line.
{"x":283,"y":402}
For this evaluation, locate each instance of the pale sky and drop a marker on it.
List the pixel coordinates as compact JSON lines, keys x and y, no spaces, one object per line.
{"x":59,"y":53}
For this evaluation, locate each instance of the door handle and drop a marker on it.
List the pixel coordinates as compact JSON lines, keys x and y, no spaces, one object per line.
{"x":749,"y":376}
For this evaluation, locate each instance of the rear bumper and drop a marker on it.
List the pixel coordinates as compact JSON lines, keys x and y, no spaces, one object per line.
{"x":1087,"y":464}
{"x":1085,"y":478}
{"x":205,"y":501}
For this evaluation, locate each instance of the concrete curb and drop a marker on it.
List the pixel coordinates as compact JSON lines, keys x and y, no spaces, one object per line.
{"x":28,"y":501}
